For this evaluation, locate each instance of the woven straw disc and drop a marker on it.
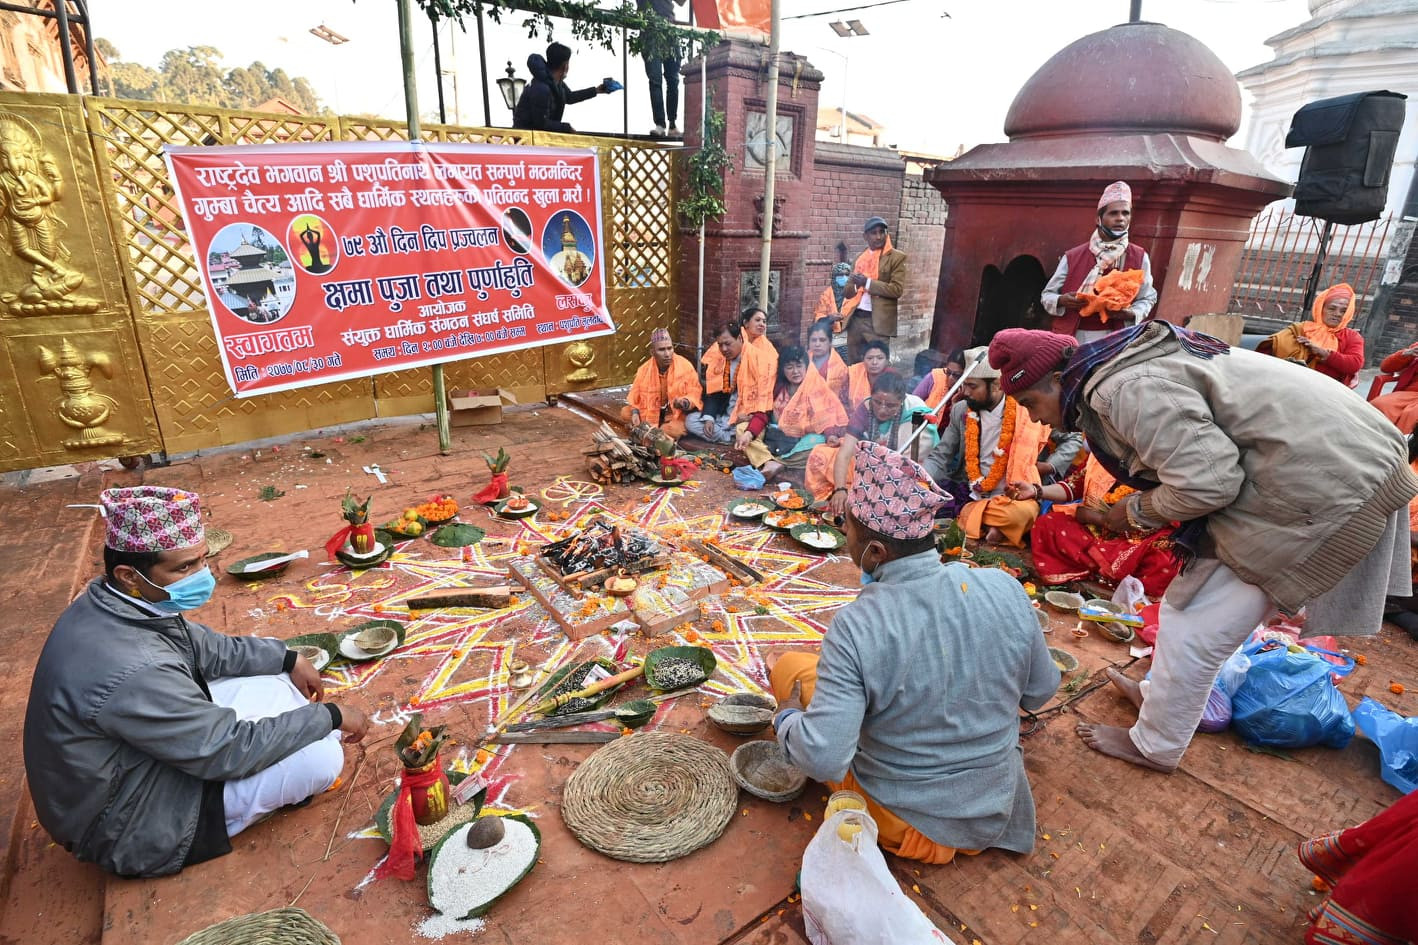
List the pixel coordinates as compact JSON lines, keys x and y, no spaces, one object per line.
{"x":650,"y":798}
{"x":217,"y":540}
{"x":277,"y":927}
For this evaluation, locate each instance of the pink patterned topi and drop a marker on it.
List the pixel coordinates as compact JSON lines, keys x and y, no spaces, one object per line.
{"x":1116,"y":192}
{"x":892,"y":495}
{"x":150,"y":518}
{"x":659,"y":335}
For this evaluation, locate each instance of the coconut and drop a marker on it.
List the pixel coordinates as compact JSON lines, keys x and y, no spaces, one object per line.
{"x":463,"y":882}
{"x":486,"y":832}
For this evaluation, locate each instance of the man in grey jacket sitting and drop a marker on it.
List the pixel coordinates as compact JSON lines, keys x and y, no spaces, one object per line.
{"x":915,"y":700}
{"x":150,"y":740}
{"x":1290,"y":492}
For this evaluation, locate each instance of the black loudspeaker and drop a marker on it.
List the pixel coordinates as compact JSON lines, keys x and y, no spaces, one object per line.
{"x":1349,"y":145}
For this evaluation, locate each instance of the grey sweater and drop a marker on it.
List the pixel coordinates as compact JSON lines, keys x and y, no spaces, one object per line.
{"x":119,"y":736}
{"x":918,"y":692}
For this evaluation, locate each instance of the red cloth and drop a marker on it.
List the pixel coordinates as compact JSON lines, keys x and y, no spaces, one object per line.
{"x":347,"y":534}
{"x":405,"y":847}
{"x":1023,"y":357}
{"x":1066,"y":551}
{"x":494,"y":491}
{"x":1370,"y":869}
{"x":1346,"y":362}
{"x":1405,"y":366}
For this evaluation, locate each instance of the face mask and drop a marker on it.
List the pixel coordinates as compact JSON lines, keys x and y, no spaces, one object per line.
{"x":840,"y":280}
{"x":188,"y":593}
{"x":1111,"y":235}
{"x":867,"y":577}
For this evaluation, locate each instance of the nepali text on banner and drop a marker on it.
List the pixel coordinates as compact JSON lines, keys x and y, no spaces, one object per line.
{"x":323,"y":262}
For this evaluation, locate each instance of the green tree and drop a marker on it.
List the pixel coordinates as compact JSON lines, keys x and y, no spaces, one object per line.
{"x":195,"y":76}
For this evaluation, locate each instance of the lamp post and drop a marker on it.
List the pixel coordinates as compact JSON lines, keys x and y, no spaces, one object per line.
{"x":841,"y":125}
{"x":846,"y":31}
{"x":511,"y":87}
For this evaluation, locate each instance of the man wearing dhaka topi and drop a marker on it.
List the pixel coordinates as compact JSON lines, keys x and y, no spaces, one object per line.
{"x":665,"y":390}
{"x":1206,"y":434}
{"x":151,"y":740}
{"x":914,"y":701}
{"x":1106,"y":283}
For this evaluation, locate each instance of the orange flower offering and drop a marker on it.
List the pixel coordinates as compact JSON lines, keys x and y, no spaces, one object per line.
{"x":789,"y":500}
{"x":1360,"y":659}
{"x":1319,"y":885}
{"x":978,"y":481}
{"x":518,"y":503}
{"x":717,"y":626}
{"x":1396,"y":688}
{"x":437,"y":508}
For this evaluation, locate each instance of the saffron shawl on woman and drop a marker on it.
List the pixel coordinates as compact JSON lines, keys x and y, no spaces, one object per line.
{"x":834,"y":372}
{"x":757,"y":374}
{"x":891,"y":434}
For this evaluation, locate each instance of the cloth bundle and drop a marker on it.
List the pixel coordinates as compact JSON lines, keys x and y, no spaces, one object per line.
{"x":1112,"y":293}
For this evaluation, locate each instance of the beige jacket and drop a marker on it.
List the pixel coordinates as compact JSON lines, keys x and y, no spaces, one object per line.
{"x":1297,"y":474}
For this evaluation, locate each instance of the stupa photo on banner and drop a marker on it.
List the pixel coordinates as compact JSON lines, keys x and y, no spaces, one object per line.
{"x":251,"y":273}
{"x":570,"y":246}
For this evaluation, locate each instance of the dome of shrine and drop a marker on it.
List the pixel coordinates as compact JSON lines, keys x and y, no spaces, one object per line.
{"x":1138,"y":78}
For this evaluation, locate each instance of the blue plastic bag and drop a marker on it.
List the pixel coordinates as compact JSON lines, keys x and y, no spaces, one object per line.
{"x":1288,"y":700}
{"x":1397,"y":738}
{"x":746,"y":477}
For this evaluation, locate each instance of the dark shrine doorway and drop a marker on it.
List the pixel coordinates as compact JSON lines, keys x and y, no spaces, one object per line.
{"x":1010,"y":299}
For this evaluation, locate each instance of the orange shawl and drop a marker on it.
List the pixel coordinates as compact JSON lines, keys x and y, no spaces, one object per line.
{"x":940,"y":386}
{"x":645,"y":391}
{"x":714,"y":363}
{"x":756,"y":378}
{"x":869,"y":265}
{"x":836,"y":375}
{"x":858,"y":385}
{"x":812,"y":409}
{"x":1316,"y":330}
{"x":1097,"y":483}
{"x":1111,"y":294}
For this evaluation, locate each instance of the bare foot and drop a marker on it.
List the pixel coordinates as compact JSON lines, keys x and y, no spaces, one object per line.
{"x":994,"y":536}
{"x":1126,"y":686}
{"x":710,"y":429}
{"x":771,"y":469}
{"x":1113,"y":741}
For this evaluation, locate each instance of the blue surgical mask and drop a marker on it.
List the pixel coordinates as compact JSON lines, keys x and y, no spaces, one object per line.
{"x":867,"y":579}
{"x":187,"y":593}
{"x":840,"y":280}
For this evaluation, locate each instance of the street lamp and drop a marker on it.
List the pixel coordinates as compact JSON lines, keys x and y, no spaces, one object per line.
{"x":328,"y":35}
{"x":849,"y":28}
{"x":511,"y":87}
{"x":846,"y":31}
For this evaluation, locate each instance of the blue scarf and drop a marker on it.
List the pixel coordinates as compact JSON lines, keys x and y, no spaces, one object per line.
{"x":1086,"y":360}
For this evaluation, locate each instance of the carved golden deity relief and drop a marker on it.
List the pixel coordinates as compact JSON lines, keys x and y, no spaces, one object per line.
{"x":30,"y":190}
{"x":81,"y":406}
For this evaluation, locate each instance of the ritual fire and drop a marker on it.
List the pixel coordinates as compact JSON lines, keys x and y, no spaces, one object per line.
{"x":600,"y":547}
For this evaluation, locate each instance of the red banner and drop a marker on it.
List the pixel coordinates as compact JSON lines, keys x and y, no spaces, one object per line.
{"x":323,"y":262}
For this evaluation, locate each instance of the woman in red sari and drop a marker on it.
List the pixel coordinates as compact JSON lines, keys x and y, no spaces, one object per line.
{"x":1070,"y":544}
{"x":1370,"y":870}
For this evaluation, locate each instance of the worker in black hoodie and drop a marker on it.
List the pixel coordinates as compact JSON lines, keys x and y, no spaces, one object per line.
{"x":546,"y":96}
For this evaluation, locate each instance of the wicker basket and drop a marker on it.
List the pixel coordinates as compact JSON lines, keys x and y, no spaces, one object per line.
{"x":277,"y":927}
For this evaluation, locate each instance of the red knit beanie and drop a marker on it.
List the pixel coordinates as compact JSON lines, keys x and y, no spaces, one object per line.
{"x":1023,"y":357}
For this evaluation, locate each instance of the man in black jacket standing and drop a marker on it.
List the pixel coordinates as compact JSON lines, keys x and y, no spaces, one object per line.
{"x":546,"y":96}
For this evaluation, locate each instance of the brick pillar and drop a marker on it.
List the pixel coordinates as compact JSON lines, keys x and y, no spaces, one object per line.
{"x":737,"y":77}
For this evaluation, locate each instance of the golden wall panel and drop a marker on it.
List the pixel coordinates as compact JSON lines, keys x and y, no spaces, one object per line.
{"x":75,"y":387}
{"x":138,"y":311}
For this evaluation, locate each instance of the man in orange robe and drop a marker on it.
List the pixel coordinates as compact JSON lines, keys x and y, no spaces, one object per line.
{"x":666,"y":388}
{"x":990,"y":442}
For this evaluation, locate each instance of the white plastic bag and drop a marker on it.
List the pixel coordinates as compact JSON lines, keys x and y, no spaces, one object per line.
{"x":1130,"y":594}
{"x":850,"y":897}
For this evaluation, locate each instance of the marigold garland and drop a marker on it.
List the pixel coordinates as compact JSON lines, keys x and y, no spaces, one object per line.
{"x":987,"y":484}
{"x":1118,"y":493}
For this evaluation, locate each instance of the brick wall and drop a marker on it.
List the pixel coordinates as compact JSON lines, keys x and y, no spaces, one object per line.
{"x":1400,"y":315}
{"x":850,"y":184}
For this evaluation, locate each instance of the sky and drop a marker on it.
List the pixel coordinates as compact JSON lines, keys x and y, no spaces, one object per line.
{"x":936,"y":82}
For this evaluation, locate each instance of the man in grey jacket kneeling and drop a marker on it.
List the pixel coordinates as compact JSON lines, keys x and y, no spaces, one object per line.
{"x":1290,"y":491}
{"x":150,"y":740}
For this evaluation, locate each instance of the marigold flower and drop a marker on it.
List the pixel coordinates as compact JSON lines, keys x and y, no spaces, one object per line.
{"x":1396,"y":688}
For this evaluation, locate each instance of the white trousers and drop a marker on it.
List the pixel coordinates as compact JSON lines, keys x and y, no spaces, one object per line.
{"x":295,"y":777}
{"x":1192,"y":643}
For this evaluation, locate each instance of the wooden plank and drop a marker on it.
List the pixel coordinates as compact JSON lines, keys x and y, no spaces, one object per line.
{"x":744,"y":572}
{"x":490,"y":598}
{"x":555,"y":738}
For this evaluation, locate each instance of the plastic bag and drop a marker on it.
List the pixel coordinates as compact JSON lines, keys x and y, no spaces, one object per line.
{"x":850,"y":897}
{"x":746,"y":477}
{"x":1216,"y":717}
{"x":1130,"y":594}
{"x":1289,"y":701}
{"x":1397,"y":738}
